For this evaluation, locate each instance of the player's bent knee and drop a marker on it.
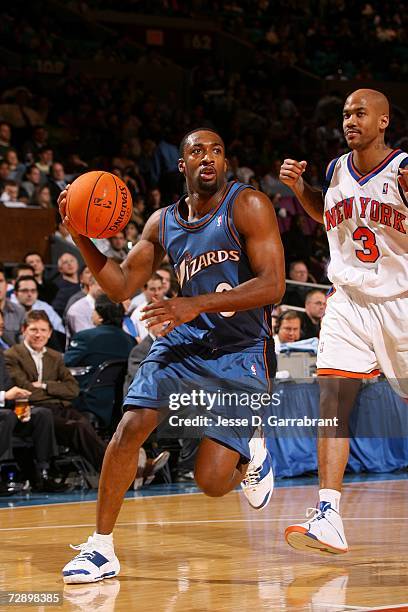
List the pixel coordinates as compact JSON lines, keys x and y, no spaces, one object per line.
{"x":131,"y":430}
{"x":209,"y":485}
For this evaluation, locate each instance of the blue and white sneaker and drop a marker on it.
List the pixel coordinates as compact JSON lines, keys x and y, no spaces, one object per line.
{"x":323,"y":533}
{"x":95,"y":562}
{"x":258,"y":481}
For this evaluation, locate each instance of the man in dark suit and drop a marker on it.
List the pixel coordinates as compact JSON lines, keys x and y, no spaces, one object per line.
{"x":41,"y":370}
{"x":91,"y":347}
{"x":40,"y":428}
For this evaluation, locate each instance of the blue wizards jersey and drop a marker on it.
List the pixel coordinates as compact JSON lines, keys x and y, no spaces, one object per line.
{"x":208,"y":255}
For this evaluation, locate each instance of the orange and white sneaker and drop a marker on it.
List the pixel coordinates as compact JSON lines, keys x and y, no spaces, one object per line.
{"x":323,"y":533}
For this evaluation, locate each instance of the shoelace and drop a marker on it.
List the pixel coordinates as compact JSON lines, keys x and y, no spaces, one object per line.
{"x":86,"y":549}
{"x":315,"y":514}
{"x":252,"y":478}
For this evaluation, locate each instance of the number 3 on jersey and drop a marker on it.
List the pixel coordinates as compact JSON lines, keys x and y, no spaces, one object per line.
{"x":369,"y":253}
{"x":219,"y":289}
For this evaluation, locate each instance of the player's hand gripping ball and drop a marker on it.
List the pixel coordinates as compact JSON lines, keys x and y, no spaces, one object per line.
{"x":99,"y":204}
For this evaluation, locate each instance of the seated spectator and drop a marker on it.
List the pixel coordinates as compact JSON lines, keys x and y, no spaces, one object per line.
{"x":79,"y":316}
{"x":57,"y":181}
{"x":41,"y":370}
{"x":131,"y":234}
{"x":26,"y":294}
{"x":45,"y":161}
{"x":13,"y":313}
{"x":16,"y":168}
{"x":46,"y":288}
{"x":67,"y":282}
{"x":295,"y":295}
{"x":21,"y":269}
{"x":4,"y":172}
{"x":43,"y":197}
{"x":10,"y":195}
{"x":166,"y":275}
{"x":92,"y":347}
{"x":146,"y":296}
{"x":315,"y":306}
{"x":118,"y":247}
{"x":84,"y":278}
{"x":154,"y":199}
{"x":5,"y":137}
{"x":39,"y":140}
{"x":287,"y":329}
{"x":152,"y":289}
{"x":40,"y":428}
{"x":31,"y":185}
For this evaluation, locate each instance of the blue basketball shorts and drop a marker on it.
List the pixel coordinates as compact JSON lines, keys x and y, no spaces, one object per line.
{"x":226,"y":389}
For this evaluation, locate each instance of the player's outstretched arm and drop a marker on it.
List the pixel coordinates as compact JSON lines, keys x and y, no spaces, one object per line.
{"x":255,"y":220}
{"x":120,"y":281}
{"x":311,"y":198}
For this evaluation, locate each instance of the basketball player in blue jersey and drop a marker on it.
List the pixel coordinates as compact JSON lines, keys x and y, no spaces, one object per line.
{"x":224,"y":243}
{"x":365,"y":328}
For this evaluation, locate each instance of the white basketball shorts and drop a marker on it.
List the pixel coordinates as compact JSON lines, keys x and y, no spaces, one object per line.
{"x":361,"y":336}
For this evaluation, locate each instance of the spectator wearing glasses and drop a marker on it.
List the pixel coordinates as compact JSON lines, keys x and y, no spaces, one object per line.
{"x":315,"y":306}
{"x":26,"y":294}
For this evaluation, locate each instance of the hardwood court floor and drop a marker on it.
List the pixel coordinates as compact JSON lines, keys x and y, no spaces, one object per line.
{"x":184,"y":553}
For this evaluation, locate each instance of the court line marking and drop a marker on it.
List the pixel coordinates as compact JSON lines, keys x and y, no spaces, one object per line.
{"x":361,"y":608}
{"x":93,"y":501}
{"x":341,"y":607}
{"x":389,"y":607}
{"x":191,"y":522}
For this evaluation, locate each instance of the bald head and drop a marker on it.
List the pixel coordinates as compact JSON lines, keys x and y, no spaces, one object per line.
{"x":366,"y":116}
{"x":372,"y":98}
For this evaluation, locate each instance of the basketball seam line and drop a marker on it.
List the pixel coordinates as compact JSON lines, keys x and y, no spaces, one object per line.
{"x":114,"y":208}
{"x":89,"y":201}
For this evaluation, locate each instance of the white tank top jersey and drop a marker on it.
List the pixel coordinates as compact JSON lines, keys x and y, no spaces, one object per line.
{"x":366,"y":222}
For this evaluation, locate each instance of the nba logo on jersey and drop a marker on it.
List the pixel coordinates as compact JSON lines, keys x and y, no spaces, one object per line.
{"x":219,"y":221}
{"x":253,"y":369}
{"x":385,"y":188}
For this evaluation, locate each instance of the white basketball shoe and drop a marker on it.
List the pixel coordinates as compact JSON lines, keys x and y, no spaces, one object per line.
{"x":258,"y":481}
{"x":96,"y":561}
{"x":322,"y":533}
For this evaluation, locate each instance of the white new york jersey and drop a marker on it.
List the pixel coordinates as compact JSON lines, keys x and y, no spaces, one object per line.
{"x":367,"y":228}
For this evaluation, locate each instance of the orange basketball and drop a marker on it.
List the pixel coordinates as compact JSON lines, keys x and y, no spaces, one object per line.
{"x":98,"y":204}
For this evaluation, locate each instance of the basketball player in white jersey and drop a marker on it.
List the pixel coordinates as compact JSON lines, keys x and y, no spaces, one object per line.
{"x":364,"y":208}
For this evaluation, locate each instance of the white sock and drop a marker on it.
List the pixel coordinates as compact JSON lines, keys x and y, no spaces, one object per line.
{"x":332,"y":496}
{"x":103,"y":538}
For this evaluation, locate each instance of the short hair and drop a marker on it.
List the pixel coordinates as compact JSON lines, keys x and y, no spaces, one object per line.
{"x":110,"y":312}
{"x":153,"y":277}
{"x":312,"y":292}
{"x":24,"y":278}
{"x":10,"y":183}
{"x":199,"y":129}
{"x":21,"y":266}
{"x":294,"y":263}
{"x":288,"y":315}
{"x":36,"y":315}
{"x":33,"y":253}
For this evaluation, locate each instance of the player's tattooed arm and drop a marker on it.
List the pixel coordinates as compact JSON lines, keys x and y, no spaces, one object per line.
{"x":120,"y":281}
{"x":311,"y":198}
{"x":255,"y":220}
